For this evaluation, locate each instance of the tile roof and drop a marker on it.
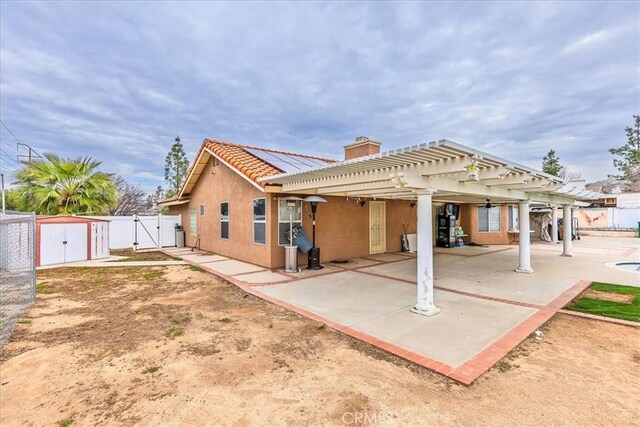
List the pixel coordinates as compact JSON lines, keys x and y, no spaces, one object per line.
{"x":237,"y":156}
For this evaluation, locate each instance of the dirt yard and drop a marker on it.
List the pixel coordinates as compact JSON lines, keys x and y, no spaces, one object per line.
{"x":174,"y":346}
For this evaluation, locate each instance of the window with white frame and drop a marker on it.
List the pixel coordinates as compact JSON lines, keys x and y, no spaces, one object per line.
{"x":193,"y":221}
{"x":224,"y":220}
{"x":513,"y":218}
{"x":489,"y":219}
{"x":260,"y":221}
{"x":283,"y":219}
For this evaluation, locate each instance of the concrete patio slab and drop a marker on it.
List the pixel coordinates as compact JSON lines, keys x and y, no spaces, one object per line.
{"x":464,"y":327}
{"x":405,"y":270}
{"x":202,"y":259}
{"x":261,"y":277}
{"x":232,"y":266}
{"x":328,"y":268}
{"x":387,"y":257}
{"x":381,"y":307}
{"x":472,"y":250}
{"x":318,"y":295}
{"x":355,"y":263}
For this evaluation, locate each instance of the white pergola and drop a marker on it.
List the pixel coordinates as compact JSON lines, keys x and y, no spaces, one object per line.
{"x":439,"y":172}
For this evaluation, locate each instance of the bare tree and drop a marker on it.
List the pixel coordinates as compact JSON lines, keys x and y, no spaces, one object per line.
{"x":132,"y":199}
{"x":152,"y":200}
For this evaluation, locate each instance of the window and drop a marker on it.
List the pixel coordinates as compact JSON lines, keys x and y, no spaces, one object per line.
{"x":513,"y":218}
{"x":224,"y":220}
{"x":489,"y":219}
{"x":260,"y":221}
{"x":201,"y":210}
{"x":283,"y":219}
{"x":193,"y":221}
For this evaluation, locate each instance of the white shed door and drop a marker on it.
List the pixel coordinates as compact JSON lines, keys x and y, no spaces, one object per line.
{"x":51,"y":244}
{"x":76,"y":242}
{"x":99,"y":240}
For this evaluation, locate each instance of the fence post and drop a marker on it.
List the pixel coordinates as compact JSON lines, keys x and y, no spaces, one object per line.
{"x":135,"y":232}
{"x":159,"y":227}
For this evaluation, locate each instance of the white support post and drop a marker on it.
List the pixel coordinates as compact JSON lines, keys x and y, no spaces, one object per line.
{"x":425,"y":305}
{"x":554,"y":224}
{"x":524,"y":248}
{"x":567,"y":232}
{"x":159,"y":229}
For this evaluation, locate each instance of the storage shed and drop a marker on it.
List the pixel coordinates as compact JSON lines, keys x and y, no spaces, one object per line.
{"x":62,"y":239}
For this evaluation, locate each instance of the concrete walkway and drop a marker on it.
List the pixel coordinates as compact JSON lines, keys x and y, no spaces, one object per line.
{"x":486,"y":308}
{"x":113,"y":261}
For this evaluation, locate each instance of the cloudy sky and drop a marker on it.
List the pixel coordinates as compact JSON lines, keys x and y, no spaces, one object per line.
{"x":118,"y":81}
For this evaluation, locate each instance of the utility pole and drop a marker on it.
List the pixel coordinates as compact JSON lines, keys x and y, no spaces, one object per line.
{"x":29,"y":155}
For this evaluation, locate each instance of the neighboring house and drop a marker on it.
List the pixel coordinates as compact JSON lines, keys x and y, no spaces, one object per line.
{"x":628,"y":200}
{"x":231,"y":200}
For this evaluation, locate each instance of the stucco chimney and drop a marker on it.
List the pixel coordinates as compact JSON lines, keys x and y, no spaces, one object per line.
{"x":362,"y":147}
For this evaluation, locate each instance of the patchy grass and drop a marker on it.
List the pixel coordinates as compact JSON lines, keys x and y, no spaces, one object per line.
{"x":43,"y":288}
{"x":174,"y":331}
{"x":153,"y":274}
{"x":176,"y":258}
{"x":131,"y":255}
{"x":24,"y":321}
{"x":66,"y":422}
{"x":99,"y":281}
{"x":180,"y":320}
{"x":224,"y":319}
{"x":603,"y":307}
{"x":151,"y":370}
{"x":197,"y":268}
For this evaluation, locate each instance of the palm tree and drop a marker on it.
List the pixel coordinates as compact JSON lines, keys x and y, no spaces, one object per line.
{"x":57,"y":186}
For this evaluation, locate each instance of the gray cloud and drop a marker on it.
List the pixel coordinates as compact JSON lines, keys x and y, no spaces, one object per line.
{"x":118,"y":81}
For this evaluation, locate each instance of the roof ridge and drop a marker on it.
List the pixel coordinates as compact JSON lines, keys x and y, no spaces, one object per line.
{"x":271,"y":150}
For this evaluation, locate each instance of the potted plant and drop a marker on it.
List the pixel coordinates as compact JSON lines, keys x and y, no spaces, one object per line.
{"x":473,"y":172}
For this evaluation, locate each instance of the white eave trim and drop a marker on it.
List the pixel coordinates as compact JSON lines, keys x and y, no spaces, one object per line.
{"x":249,"y":180}
{"x":197,"y":161}
{"x":173,"y":203}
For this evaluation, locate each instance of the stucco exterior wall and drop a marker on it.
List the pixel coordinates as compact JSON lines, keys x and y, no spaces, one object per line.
{"x":218,"y":184}
{"x":469,"y":223}
{"x":342,"y":228}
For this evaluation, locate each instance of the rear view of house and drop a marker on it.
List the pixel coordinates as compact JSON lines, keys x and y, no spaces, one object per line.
{"x":227,"y":210}
{"x":232,"y":200}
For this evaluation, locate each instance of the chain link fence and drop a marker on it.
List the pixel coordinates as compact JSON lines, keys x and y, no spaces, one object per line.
{"x":17,"y":268}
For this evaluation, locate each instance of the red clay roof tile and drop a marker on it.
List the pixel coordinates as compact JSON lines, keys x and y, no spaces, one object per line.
{"x":243,"y":161}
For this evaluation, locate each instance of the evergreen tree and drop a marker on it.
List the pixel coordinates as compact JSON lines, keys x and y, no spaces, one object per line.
{"x":628,"y":161}
{"x":551,"y":164}
{"x":176,"y":166}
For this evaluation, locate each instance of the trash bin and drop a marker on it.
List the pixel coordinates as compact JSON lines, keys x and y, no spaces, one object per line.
{"x":179,"y":236}
{"x":291,"y":259}
{"x":301,"y":240}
